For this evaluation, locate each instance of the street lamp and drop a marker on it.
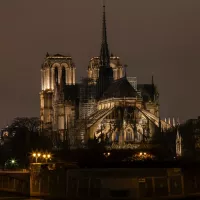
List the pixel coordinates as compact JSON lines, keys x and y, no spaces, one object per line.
{"x":41,"y":155}
{"x":107,"y":154}
{"x":10,"y":163}
{"x":13,"y":161}
{"x":46,"y":156}
{"x":36,"y":156}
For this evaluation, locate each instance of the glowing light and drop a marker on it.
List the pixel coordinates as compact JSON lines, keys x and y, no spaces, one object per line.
{"x":36,"y":156}
{"x":41,"y":155}
{"x":13,"y":161}
{"x":107,"y":154}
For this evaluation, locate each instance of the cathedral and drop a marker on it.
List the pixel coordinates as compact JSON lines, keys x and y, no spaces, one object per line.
{"x":107,"y":105}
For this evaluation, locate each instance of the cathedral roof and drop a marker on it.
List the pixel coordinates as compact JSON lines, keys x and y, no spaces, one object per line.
{"x":119,"y":89}
{"x":59,"y":55}
{"x":56,"y":56}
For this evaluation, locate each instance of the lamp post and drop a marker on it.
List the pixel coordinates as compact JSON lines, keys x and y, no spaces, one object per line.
{"x":107,"y":154}
{"x":10,"y":163}
{"x":36,"y":156}
{"x":46,"y":157}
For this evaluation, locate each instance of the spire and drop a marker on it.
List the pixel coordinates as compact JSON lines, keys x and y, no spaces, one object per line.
{"x":178,"y":143}
{"x":104,"y":55}
{"x":174,"y":123}
{"x":169,"y":120}
{"x":106,"y":72}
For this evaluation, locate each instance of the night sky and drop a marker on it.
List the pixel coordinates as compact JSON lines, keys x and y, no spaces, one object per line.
{"x":151,"y":37}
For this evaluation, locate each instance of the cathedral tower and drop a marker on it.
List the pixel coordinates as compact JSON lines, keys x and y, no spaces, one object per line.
{"x":94,"y":66}
{"x":55,"y":69}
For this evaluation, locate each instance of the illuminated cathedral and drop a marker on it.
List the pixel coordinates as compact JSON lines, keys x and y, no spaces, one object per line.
{"x":107,"y":105}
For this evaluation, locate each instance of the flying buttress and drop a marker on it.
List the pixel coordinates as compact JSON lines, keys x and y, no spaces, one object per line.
{"x":155,"y":119}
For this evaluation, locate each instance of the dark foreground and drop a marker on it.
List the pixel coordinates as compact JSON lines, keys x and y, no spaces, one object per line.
{"x":8,"y":195}
{"x":104,"y":180}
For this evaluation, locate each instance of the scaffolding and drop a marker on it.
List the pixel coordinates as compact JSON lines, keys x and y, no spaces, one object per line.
{"x":133,"y":82}
{"x":87,"y":104}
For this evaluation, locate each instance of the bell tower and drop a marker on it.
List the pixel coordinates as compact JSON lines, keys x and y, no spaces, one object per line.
{"x":56,"y":70}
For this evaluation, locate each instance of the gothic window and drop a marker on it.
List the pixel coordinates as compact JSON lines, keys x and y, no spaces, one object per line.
{"x":63,"y":75}
{"x":56,"y":75}
{"x":129,"y":135}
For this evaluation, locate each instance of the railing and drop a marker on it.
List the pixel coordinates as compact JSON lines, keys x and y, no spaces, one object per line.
{"x":135,"y":183}
{"x":9,"y":183}
{"x":131,"y":184}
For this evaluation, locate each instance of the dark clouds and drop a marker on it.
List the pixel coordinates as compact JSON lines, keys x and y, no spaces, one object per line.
{"x":159,"y":37}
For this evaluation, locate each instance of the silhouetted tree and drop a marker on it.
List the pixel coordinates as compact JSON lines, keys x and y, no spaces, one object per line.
{"x":190,"y":132}
{"x":32,"y":124}
{"x":25,"y":137}
{"x":163,"y":144}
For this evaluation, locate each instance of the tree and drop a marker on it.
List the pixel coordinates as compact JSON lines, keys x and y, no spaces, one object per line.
{"x":163,"y":144}
{"x":190,"y":132}
{"x":25,"y":137}
{"x":30,"y":124}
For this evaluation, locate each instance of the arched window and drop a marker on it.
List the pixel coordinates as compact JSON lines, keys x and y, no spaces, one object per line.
{"x":56,"y":75}
{"x":63,"y":75}
{"x":129,"y":135}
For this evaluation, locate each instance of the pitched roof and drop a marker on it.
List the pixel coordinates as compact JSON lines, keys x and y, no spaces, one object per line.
{"x":119,"y":89}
